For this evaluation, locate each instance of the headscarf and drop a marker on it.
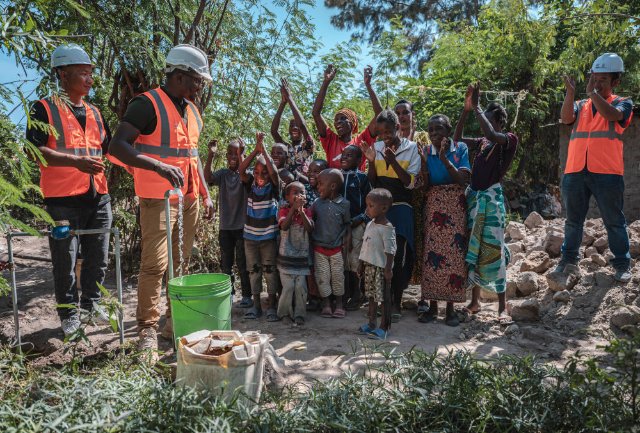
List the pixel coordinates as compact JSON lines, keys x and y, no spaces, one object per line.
{"x":351,"y":116}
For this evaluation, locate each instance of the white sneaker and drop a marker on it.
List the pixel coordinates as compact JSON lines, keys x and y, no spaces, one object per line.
{"x":622,"y":276}
{"x":98,"y":316}
{"x":148,"y":343}
{"x":70,"y":325}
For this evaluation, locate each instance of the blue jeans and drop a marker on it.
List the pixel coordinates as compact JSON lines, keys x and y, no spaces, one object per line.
{"x":94,"y":252}
{"x":608,"y":190}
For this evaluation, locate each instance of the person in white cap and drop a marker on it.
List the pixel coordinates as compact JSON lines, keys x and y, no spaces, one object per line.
{"x":595,"y":164}
{"x":74,"y":185}
{"x":158,"y":139}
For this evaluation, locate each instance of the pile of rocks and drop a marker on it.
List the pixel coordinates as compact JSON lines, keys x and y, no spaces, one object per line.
{"x":585,"y":297}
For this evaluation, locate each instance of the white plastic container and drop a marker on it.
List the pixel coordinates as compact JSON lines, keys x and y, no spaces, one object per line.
{"x":237,"y":370}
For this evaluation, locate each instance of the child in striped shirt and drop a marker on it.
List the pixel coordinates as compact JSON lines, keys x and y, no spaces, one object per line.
{"x":261,"y":226}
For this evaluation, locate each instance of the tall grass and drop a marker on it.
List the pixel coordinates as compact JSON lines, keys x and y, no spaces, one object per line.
{"x":413,"y":391}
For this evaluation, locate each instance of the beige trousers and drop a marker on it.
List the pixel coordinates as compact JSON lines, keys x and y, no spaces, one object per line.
{"x":154,"y":261}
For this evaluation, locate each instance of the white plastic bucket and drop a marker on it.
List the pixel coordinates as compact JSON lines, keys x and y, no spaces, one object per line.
{"x":239,"y":370}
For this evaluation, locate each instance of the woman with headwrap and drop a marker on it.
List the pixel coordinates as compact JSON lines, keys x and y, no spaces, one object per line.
{"x":345,"y":121}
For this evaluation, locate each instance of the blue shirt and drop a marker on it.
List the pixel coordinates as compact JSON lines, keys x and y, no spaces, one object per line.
{"x":458,"y":154}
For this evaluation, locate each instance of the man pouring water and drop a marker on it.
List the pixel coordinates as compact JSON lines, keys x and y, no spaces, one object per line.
{"x":158,"y":139}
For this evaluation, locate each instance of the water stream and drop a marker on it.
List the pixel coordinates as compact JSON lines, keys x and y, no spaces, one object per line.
{"x":180,"y":219}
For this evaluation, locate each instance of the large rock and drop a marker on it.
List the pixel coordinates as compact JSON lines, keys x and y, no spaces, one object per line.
{"x":624,"y":316}
{"x":527,"y":283}
{"x":598,"y":260}
{"x":516,"y":231}
{"x":588,"y":236}
{"x":533,"y":220}
{"x":553,"y":243}
{"x":589,"y":251}
{"x":601,"y":244}
{"x":525,"y":311}
{"x":559,"y":281}
{"x":515,"y":248}
{"x":603,"y":279}
{"x":537,"y":261}
{"x":563,"y":296}
{"x":634,"y":248}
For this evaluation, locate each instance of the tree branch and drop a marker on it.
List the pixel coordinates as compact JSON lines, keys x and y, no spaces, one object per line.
{"x":196,"y":20}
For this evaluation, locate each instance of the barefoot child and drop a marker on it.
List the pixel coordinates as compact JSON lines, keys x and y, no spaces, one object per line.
{"x":293,"y":254}
{"x":232,"y":209}
{"x":261,"y":227}
{"x":330,"y":238}
{"x":487,"y":255}
{"x":376,"y":261}
{"x":355,"y":190}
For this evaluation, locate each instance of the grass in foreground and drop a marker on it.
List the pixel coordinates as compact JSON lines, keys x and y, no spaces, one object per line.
{"x":414,"y":391}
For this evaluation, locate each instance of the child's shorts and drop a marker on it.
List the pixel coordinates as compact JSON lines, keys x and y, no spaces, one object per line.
{"x":374,"y":282}
{"x":353,"y":259}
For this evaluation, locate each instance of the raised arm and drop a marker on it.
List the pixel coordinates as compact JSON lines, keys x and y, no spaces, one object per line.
{"x":485,"y":125}
{"x":605,"y":109}
{"x":567,"y":114}
{"x":245,"y":162}
{"x":468,"y":106}
{"x":321,"y":124}
{"x":208,"y":165}
{"x":271,"y":166}
{"x":370,"y":153}
{"x":375,"y":101}
{"x":275,"y":124}
{"x":297,"y":116}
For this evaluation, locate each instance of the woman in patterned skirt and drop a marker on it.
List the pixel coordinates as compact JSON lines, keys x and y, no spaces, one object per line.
{"x":487,"y":255}
{"x":445,"y":174}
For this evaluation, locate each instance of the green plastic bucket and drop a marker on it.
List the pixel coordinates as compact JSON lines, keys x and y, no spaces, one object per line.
{"x":200,"y":301}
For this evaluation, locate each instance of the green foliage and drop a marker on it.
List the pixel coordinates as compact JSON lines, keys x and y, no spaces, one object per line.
{"x":414,"y":391}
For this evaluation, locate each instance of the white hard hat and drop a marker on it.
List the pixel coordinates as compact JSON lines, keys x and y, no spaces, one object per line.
{"x":70,"y":54}
{"x":188,"y":58}
{"x":608,"y":62}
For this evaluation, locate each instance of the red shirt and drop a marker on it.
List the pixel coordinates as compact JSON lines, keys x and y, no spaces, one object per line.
{"x":333,"y":146}
{"x":297,"y":219}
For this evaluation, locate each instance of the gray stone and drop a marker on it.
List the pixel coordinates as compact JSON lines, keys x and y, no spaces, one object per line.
{"x":516,"y":231}
{"x":598,"y":260}
{"x":512,"y":329}
{"x":559,"y":281}
{"x":533,"y":220}
{"x":563,"y":296}
{"x":537,"y":261}
{"x":553,"y":243}
{"x":587,"y":237}
{"x":515,"y":248}
{"x":624,"y":316}
{"x":589,"y":251}
{"x":603,"y":279}
{"x":601,"y":244}
{"x":525,"y":311}
{"x":527,"y":283}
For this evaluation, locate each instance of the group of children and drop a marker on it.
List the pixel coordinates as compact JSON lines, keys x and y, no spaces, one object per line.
{"x":297,"y":235}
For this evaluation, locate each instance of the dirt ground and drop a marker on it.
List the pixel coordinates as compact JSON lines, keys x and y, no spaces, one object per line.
{"x":320,"y":349}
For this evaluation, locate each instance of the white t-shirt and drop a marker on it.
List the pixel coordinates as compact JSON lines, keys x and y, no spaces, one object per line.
{"x":378,"y":241}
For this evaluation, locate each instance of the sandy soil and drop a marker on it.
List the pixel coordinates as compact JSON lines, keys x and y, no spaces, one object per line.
{"x":322,"y":348}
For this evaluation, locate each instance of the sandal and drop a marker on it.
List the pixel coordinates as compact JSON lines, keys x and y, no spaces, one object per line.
{"x":326,"y":312}
{"x":253,"y":314}
{"x":246,"y":302}
{"x":427,"y":317}
{"x":365,"y":329}
{"x":272,"y":315}
{"x":339,"y":313}
{"x":504,"y":319}
{"x":299,"y":321}
{"x":378,"y":334}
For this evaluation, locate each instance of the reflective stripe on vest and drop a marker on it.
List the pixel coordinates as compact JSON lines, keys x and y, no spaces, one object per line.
{"x":595,"y":143}
{"x":71,"y":139}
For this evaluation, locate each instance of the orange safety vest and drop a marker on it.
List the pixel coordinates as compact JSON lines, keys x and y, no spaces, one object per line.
{"x":595,"y":142}
{"x":72,"y":140}
{"x":173,"y":143}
